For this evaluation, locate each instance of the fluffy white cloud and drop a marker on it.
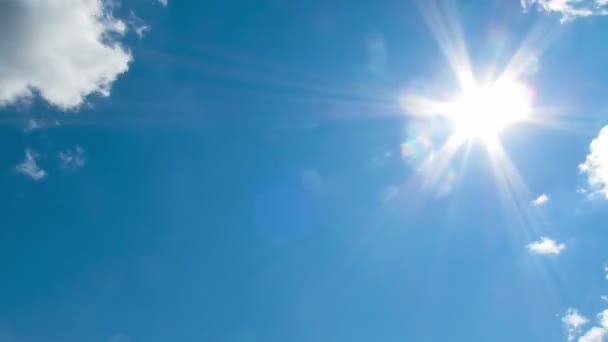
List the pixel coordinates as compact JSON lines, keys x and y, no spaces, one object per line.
{"x":573,"y":321}
{"x":595,"y":334}
{"x":603,"y":318}
{"x":29,"y":166}
{"x":541,"y":200}
{"x":72,"y":159}
{"x":569,"y":9}
{"x":598,"y":333}
{"x":546,"y":246}
{"x":595,"y":165}
{"x":63,"y":50}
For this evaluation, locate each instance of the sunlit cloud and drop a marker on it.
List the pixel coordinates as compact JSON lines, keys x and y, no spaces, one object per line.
{"x":595,"y":166}
{"x":568,"y":9}
{"x":541,"y":200}
{"x":29,"y":167}
{"x":60,"y":50}
{"x":546,"y":246}
{"x":573,"y":322}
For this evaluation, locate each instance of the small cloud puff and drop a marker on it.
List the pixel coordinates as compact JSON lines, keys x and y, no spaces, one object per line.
{"x":573,"y":321}
{"x":29,"y":167}
{"x":595,"y":165}
{"x":72,"y":159}
{"x":569,"y":9}
{"x":541,"y":200}
{"x":546,"y":246}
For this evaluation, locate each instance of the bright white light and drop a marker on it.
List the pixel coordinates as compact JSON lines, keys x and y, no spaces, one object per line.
{"x":483,"y":111}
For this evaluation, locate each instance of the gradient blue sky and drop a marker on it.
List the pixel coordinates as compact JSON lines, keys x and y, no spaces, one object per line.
{"x":250,"y":173}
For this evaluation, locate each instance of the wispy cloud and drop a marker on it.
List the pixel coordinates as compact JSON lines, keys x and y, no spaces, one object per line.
{"x":541,"y":200}
{"x":546,"y":246}
{"x":119,"y":338}
{"x":29,"y":167}
{"x":164,"y":2}
{"x":574,"y":322}
{"x":62,"y":50}
{"x":569,"y":9}
{"x":39,"y":124}
{"x":595,"y":165}
{"x":72,"y":159}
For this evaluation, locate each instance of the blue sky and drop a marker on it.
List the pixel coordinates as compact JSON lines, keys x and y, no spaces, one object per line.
{"x":318,"y":171}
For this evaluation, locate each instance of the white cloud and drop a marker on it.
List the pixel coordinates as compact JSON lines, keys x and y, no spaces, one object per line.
{"x":29,"y":166}
{"x":541,"y":200}
{"x":595,"y":334}
{"x":603,"y":318}
{"x":546,"y":246}
{"x":72,"y":159}
{"x":573,"y":322}
{"x":569,"y":9}
{"x":598,"y":333}
{"x":163,"y":2}
{"x":63,"y":50}
{"x":595,"y":165}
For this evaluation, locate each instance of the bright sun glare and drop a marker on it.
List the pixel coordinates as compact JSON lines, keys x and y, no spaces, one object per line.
{"x":483,"y":111}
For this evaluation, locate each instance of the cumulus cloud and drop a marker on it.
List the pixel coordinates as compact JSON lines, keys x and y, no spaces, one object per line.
{"x":63,"y":50}
{"x":546,"y":246}
{"x":595,"y":334}
{"x":540,"y":200}
{"x":72,"y":159}
{"x":573,"y":321}
{"x":29,"y":167}
{"x":598,"y":333}
{"x":595,"y":165}
{"x":568,"y":9}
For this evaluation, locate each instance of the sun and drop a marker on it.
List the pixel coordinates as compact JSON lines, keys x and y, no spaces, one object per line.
{"x":483,"y":111}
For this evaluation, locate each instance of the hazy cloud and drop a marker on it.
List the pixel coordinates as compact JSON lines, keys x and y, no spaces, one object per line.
{"x":595,"y":165}
{"x":546,"y":246}
{"x":72,"y":159}
{"x":63,"y":50}
{"x":119,"y":338}
{"x":29,"y":167}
